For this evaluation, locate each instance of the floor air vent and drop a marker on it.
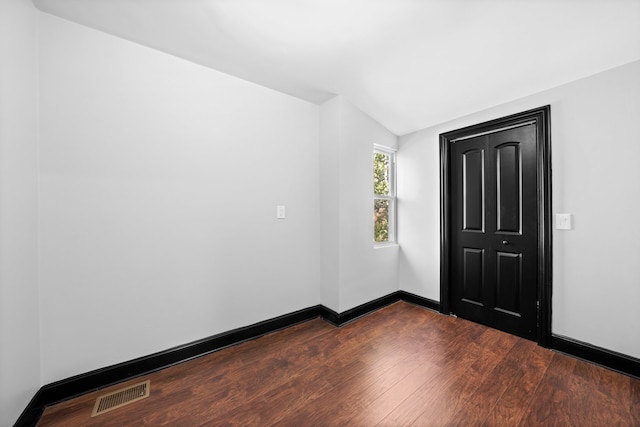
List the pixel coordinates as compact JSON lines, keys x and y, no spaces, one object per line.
{"x":121,"y":397}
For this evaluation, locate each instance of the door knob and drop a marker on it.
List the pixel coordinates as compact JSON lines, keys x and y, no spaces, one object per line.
{"x":505,"y":242}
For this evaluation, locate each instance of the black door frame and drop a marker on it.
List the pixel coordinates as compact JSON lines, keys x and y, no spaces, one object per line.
{"x":541,"y":116}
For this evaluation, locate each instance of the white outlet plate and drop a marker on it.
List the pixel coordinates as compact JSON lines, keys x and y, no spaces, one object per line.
{"x":564,"y":221}
{"x":280,"y":212}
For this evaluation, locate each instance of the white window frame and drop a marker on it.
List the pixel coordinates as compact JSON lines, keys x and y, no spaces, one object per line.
{"x":391,"y":197}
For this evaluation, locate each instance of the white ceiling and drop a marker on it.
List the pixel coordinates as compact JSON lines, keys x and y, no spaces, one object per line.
{"x":409,"y":64}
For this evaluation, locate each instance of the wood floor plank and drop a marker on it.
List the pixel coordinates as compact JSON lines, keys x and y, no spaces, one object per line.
{"x":634,"y":403}
{"x":382,"y":408}
{"x":351,"y":397}
{"x":493,"y":347}
{"x":459,"y":362}
{"x":474,"y":405}
{"x":531,"y":364}
{"x":401,"y":365}
{"x":441,"y":341}
{"x":593,"y":388}
{"x":221,"y":390}
{"x":551,"y":403}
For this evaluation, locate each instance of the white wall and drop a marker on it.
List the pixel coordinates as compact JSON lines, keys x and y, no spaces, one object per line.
{"x":330,"y":179}
{"x":595,"y":147}
{"x":19,"y":325}
{"x":159,"y":185}
{"x":363,"y":273}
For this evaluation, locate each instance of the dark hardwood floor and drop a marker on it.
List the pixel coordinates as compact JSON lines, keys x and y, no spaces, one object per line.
{"x":401,"y":365}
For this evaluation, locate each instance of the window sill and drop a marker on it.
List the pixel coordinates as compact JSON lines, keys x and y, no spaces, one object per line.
{"x":385,"y":245}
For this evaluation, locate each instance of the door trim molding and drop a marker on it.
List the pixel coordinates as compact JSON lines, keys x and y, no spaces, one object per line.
{"x":541,"y":117}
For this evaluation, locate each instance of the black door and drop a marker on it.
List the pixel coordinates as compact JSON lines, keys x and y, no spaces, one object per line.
{"x":494,"y":229}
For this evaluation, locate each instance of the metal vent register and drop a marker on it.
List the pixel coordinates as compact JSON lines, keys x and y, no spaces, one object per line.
{"x":121,"y":397}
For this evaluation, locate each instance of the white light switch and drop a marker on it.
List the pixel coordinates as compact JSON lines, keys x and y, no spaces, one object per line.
{"x":280,"y":212}
{"x":563,"y":221}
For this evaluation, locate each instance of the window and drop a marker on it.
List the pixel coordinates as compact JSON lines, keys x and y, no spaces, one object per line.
{"x":384,"y":195}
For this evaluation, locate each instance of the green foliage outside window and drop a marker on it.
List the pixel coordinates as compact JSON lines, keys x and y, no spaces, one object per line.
{"x":381,"y":174}
{"x":381,"y":220}
{"x":381,"y":186}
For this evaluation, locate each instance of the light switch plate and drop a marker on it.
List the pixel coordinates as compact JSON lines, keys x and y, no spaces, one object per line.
{"x":564,"y":221}
{"x":280,"y":212}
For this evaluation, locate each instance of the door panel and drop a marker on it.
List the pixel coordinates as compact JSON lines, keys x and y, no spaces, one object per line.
{"x":473,"y":276}
{"x":473,"y":180}
{"x":494,"y":230}
{"x":509,"y":192}
{"x":508,"y":283}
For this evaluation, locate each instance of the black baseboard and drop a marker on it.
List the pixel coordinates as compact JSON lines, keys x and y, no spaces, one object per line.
{"x":32,"y":412}
{"x":100,"y":378}
{"x":600,"y":356}
{"x":421,"y":301}
{"x":339,"y":319}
